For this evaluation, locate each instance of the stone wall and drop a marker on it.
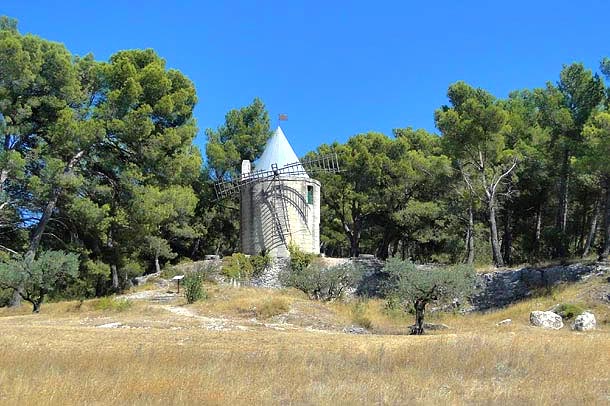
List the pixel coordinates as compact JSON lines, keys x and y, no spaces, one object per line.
{"x":492,"y":290}
{"x":500,"y":288}
{"x":269,"y":278}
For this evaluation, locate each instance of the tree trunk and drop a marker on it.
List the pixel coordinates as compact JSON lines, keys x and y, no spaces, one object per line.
{"x":507,"y":239}
{"x":195,"y":249}
{"x":36,"y":306}
{"x":606,"y":247}
{"x":593,"y":229}
{"x":383,"y":250}
{"x":470,"y":236}
{"x":418,"y":328}
{"x":354,"y":237}
{"x":157,"y":266}
{"x":42,"y":223}
{"x":562,"y":211}
{"x":115,"y":277}
{"x":35,"y":241}
{"x":493,"y":228}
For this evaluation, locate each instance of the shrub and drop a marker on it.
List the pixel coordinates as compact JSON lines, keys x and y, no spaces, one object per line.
{"x":111,"y":303}
{"x":568,"y":311}
{"x":193,"y":287}
{"x":170,"y":272}
{"x":299,"y":260}
{"x":359,"y":315}
{"x":260,"y":263}
{"x":237,"y":266}
{"x":36,"y":277}
{"x":5,"y":296}
{"x":209,"y":270}
{"x":321,"y":283}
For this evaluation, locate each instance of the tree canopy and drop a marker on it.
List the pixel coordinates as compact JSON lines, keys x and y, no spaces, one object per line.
{"x":98,"y":160}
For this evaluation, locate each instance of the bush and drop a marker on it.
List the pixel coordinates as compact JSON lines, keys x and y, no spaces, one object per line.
{"x":359,"y":315}
{"x":5,"y":297}
{"x":170,"y":272}
{"x":321,"y":283}
{"x":237,"y":266}
{"x":299,"y":260}
{"x":193,"y":287}
{"x":111,"y":303}
{"x":259,"y":263}
{"x":568,"y":311}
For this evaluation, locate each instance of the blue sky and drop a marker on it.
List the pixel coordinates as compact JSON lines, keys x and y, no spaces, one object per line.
{"x":336,"y":68}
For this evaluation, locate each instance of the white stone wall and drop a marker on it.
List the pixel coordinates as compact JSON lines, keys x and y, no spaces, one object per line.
{"x":258,"y":229}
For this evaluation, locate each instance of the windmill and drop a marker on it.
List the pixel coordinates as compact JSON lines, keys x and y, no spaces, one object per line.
{"x":279,"y":202}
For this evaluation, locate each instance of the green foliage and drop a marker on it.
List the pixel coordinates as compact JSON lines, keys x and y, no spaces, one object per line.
{"x":171,"y":271}
{"x":34,"y":278}
{"x":97,"y":157}
{"x":410,"y":286}
{"x":5,"y":297}
{"x":321,"y":283}
{"x":193,"y":287}
{"x":242,"y":136}
{"x":568,"y":311}
{"x":109,"y":303}
{"x":299,"y":260}
{"x":408,"y":283}
{"x":237,"y":266}
{"x":260,"y":263}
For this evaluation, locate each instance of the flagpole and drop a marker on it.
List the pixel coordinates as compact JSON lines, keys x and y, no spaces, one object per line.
{"x":281,"y":117}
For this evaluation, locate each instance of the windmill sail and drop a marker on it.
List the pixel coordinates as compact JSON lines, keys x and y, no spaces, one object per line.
{"x":279,"y":201}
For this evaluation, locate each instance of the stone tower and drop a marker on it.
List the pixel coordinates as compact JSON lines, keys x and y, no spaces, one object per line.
{"x":280,"y":210}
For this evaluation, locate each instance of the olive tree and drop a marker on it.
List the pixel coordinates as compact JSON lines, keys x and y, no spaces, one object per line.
{"x":410,"y":285}
{"x":34,"y":278}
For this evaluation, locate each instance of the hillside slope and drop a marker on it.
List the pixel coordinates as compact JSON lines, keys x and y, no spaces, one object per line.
{"x":257,"y":346}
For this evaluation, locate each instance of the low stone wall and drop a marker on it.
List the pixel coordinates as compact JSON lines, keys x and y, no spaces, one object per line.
{"x":500,"y":288}
{"x":269,"y":278}
{"x":492,"y":290}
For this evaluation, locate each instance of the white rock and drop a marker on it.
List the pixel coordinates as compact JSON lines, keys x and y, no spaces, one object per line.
{"x":584,"y":322}
{"x":504,"y":322}
{"x":111,"y":325}
{"x":546,"y":320}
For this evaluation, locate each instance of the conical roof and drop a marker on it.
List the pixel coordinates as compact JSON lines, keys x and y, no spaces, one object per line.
{"x":278,"y":151}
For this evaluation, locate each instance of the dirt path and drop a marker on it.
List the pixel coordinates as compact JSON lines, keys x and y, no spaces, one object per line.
{"x":162,"y":299}
{"x":209,"y":323}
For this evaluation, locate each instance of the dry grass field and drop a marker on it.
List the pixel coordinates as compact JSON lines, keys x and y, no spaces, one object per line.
{"x":254,"y":346}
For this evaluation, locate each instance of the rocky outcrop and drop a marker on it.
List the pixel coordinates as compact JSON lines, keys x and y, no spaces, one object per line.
{"x":548,"y":320}
{"x":500,"y":288}
{"x":584,"y":322}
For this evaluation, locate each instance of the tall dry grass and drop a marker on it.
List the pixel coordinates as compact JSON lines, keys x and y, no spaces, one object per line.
{"x":55,"y":365}
{"x":60,"y":358}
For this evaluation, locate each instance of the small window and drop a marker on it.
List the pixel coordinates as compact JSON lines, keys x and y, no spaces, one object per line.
{"x":309,"y":194}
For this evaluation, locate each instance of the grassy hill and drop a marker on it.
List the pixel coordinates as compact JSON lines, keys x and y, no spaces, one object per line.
{"x":257,"y":346}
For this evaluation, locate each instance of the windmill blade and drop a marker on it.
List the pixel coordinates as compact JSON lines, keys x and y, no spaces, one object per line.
{"x":229,"y":187}
{"x":322,"y":163}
